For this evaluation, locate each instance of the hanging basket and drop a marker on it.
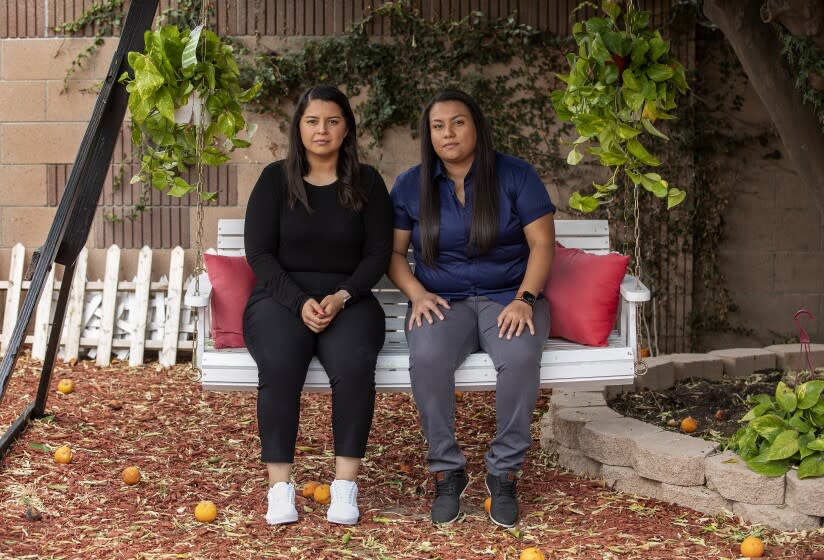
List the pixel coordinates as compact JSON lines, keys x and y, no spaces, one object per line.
{"x":184,"y":80}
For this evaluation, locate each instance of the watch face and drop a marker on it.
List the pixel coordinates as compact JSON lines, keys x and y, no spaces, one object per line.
{"x":528,"y":297}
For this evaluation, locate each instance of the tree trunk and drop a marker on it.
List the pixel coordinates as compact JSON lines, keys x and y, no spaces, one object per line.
{"x":759,"y":51}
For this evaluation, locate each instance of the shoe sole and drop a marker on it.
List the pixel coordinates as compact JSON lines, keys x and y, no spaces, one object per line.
{"x":282,"y":520}
{"x":495,"y":521}
{"x":342,"y":521}
{"x":460,"y":509}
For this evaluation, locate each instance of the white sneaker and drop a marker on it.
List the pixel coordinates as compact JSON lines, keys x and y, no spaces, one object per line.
{"x":281,"y":504}
{"x":344,"y":507}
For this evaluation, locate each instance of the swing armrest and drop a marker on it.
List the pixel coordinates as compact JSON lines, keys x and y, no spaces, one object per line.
{"x":633,"y":290}
{"x":201,"y":297}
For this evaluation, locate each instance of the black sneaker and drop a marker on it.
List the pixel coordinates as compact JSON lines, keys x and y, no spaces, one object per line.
{"x":449,"y":489}
{"x":504,"y":508}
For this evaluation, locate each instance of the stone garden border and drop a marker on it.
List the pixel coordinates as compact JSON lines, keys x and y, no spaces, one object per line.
{"x":632,"y":456}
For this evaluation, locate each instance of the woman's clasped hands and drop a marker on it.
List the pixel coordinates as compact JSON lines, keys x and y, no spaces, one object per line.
{"x":317,"y":316}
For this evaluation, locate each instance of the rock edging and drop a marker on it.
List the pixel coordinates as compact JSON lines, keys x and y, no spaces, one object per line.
{"x":632,"y":456}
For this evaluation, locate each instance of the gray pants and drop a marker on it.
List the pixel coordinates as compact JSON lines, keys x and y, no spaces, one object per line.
{"x":436,"y":351}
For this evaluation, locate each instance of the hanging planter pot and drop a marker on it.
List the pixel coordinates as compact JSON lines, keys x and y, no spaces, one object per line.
{"x":185,"y":82}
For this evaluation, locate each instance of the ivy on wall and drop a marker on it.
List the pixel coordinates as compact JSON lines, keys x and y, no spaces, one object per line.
{"x":806,"y":61}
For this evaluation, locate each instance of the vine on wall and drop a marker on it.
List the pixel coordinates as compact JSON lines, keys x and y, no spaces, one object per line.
{"x":806,"y":61}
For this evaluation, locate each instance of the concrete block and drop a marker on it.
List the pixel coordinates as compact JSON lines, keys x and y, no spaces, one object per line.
{"x":783,"y":518}
{"x":575,"y":461}
{"x":729,"y":475}
{"x":755,"y":270}
{"x":660,"y":374}
{"x":22,"y":101}
{"x":800,"y":271}
{"x":611,"y":441}
{"x":565,"y":398}
{"x":805,"y":495}
{"x":795,"y":238}
{"x":41,"y":142}
{"x":547,"y":432}
{"x":699,"y":498}
{"x":23,"y":185}
{"x":29,"y":226}
{"x":247,"y":176}
{"x":74,"y":104}
{"x":53,"y":56}
{"x":703,"y":366}
{"x":741,"y":362}
{"x":612,"y":391}
{"x":567,"y":422}
{"x":625,"y":479}
{"x":789,"y":356}
{"x":750,"y":230}
{"x":673,"y":458}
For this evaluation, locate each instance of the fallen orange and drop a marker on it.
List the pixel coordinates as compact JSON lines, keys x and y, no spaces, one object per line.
{"x":63,"y":455}
{"x":309,"y":488}
{"x":532,"y":553}
{"x":689,"y":425}
{"x":65,"y":386}
{"x":130,"y":475}
{"x":322,"y":494}
{"x":752,"y":547}
{"x":488,"y":504}
{"x":206,"y":511}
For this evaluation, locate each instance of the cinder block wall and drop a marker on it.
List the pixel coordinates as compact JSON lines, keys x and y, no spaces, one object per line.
{"x":773,"y":254}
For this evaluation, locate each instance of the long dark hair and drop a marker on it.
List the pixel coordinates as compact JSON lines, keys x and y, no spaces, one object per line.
{"x":485,"y":211}
{"x":350,"y":193}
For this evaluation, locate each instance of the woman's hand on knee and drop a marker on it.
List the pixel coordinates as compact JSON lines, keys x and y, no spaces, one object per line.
{"x":425,"y":306}
{"x":314,"y":316}
{"x":513,"y":319}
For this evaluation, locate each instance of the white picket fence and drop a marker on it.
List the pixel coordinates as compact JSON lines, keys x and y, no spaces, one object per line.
{"x":108,"y":317}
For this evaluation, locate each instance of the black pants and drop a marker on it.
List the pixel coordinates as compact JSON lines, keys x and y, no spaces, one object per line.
{"x":282,"y":346}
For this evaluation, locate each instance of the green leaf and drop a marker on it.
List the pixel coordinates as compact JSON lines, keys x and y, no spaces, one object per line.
{"x":583,"y":203}
{"x":588,"y":125}
{"x":785,"y":397}
{"x":784,"y":446}
{"x":189,"y":57}
{"x":208,"y":196}
{"x":574,"y":157}
{"x":633,"y":99}
{"x":638,"y":150}
{"x":768,"y":426}
{"x":639,"y":50}
{"x":809,"y":393}
{"x":180,"y":188}
{"x":39,"y":446}
{"x":630,"y":82}
{"x":165,"y":104}
{"x":816,"y":445}
{"x":764,"y":466}
{"x":625,"y":132}
{"x":804,"y":440}
{"x":811,"y":466}
{"x":659,"y":72}
{"x":147,"y":78}
{"x":612,"y":9}
{"x":675,"y":197}
{"x":213,"y":156}
{"x":658,"y":47}
{"x":652,"y":130}
{"x":798,"y":423}
{"x":757,"y":411}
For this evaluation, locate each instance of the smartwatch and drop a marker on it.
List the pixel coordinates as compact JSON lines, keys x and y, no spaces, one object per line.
{"x":526,"y":297}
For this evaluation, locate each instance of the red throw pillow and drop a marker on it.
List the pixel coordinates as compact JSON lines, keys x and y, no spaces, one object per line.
{"x":232,"y":281}
{"x":583,"y":294}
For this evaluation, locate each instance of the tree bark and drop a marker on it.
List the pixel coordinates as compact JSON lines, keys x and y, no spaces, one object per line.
{"x":759,"y":51}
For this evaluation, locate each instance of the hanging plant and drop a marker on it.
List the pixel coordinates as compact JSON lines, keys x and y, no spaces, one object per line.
{"x":621,"y":81}
{"x":183,"y":80}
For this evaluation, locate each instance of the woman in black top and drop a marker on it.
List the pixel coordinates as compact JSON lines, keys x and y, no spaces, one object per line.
{"x":318,"y":237}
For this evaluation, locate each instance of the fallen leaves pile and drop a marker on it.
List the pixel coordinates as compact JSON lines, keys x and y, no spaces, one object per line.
{"x":192,"y":446}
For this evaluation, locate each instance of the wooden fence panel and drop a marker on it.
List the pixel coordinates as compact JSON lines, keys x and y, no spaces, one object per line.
{"x":73,"y":325}
{"x":104,"y":344}
{"x":18,"y":255}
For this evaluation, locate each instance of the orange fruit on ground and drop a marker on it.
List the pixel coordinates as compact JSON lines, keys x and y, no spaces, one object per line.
{"x":488,"y":504}
{"x":63,"y":455}
{"x":322,"y":494}
{"x":752,"y":547}
{"x":405,"y":468}
{"x":130,"y":475}
{"x":689,"y":425}
{"x":532,"y":553}
{"x":65,"y":386}
{"x":206,"y":511}
{"x":309,"y":488}
{"x":459,"y":396}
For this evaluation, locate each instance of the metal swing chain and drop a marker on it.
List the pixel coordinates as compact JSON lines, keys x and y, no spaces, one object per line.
{"x":199,"y":268}
{"x":641,"y":366}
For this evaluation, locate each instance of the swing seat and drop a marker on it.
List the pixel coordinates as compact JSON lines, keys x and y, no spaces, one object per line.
{"x":563,"y":363}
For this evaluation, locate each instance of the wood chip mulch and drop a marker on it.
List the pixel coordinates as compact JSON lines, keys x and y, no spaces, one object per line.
{"x":192,"y":445}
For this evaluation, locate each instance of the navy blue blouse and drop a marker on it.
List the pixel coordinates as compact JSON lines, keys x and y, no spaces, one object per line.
{"x":459,"y":273}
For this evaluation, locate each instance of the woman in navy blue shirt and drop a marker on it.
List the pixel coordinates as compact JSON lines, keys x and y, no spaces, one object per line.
{"x":482,"y":232}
